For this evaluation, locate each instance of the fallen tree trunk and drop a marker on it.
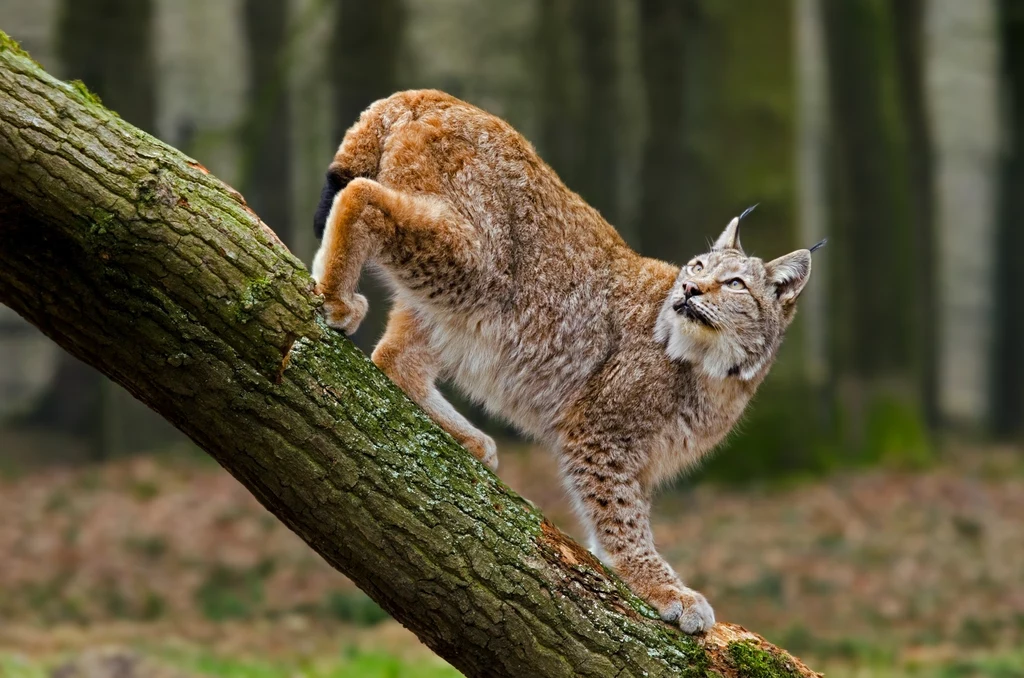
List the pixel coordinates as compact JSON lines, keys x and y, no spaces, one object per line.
{"x":133,"y":258}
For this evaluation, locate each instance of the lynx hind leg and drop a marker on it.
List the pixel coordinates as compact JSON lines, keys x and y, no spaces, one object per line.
{"x":404,"y":354}
{"x":339,"y":261}
{"x":617,"y":512}
{"x":436,"y":247}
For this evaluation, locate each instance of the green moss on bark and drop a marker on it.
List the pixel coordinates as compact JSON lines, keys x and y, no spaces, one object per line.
{"x":254,"y":294}
{"x":751,"y":661}
{"x":9,"y":44}
{"x":87,"y":95}
{"x":101,"y":221}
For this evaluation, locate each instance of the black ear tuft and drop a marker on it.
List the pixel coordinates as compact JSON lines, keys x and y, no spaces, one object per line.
{"x":333,"y":183}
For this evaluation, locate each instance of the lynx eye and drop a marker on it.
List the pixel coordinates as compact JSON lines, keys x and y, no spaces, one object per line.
{"x":736,"y":284}
{"x":696,"y":267}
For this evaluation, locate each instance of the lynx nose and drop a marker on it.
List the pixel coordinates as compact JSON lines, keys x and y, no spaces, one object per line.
{"x":689,"y":290}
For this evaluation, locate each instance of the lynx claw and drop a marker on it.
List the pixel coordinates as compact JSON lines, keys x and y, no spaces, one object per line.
{"x":689,"y":609}
{"x":346,"y":315}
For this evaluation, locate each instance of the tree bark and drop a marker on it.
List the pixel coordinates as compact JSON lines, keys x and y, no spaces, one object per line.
{"x":135,"y":259}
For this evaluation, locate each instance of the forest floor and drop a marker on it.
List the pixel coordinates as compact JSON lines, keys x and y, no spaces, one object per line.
{"x":165,"y":556}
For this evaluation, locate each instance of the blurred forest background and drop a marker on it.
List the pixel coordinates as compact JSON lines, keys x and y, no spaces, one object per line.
{"x":890,"y":428}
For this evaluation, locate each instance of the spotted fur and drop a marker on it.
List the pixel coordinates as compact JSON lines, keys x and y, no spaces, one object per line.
{"x":511,"y":286}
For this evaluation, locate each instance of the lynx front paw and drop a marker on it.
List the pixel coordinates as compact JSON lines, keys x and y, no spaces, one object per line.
{"x":685,"y":607}
{"x":345,"y":315}
{"x":483,"y":448}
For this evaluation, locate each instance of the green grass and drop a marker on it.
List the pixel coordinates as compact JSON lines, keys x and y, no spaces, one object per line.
{"x":15,"y":666}
{"x":353,"y":663}
{"x":350,"y":664}
{"x":1007,"y":664}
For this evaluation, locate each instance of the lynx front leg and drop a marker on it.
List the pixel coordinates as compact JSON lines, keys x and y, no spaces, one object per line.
{"x":404,"y":354}
{"x":409,"y":233}
{"x":618,"y":511}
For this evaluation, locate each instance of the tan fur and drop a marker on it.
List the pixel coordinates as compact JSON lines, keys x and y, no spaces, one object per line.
{"x":514,"y":288}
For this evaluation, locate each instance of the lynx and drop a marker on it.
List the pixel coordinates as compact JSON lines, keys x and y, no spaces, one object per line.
{"x":508,"y":284}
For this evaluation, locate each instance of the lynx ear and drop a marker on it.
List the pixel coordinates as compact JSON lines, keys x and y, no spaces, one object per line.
{"x":730,"y":238}
{"x":788,"y":275}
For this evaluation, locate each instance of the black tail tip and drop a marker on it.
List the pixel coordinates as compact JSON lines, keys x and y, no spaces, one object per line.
{"x":333,"y":183}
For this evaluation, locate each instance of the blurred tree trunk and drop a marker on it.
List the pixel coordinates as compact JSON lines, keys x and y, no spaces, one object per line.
{"x":908,"y":41}
{"x":1008,"y":357}
{"x":740,"y":132}
{"x":874,"y":285}
{"x":720,"y":85}
{"x":965,"y":110}
{"x":663,"y":172}
{"x":108,"y":45}
{"x":72,"y":404}
{"x":577,"y":72}
{"x":364,"y":61}
{"x":268,"y":166}
{"x":599,"y":155}
{"x":812,"y":190}
{"x":203,"y":82}
{"x":182,"y":295}
{"x":560,"y":140}
{"x":313,"y":120}
{"x":80,"y":401}
{"x":364,"y":56}
{"x":867,"y":211}
{"x":741,"y":123}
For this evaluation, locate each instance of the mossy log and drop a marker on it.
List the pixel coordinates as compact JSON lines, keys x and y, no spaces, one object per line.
{"x":135,"y":259}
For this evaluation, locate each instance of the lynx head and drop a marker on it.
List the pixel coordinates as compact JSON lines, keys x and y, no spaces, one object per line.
{"x":727,"y":312}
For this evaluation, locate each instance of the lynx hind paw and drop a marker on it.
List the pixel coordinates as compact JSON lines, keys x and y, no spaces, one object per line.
{"x":483,"y":448}
{"x":685,"y":607}
{"x":319,"y":266}
{"x":346,"y":315}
